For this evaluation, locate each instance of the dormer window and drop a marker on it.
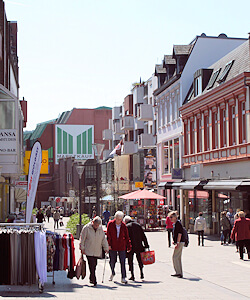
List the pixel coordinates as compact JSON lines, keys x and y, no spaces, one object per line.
{"x":213,"y":79}
{"x":225,"y":72}
{"x":198,"y":86}
{"x":201,"y":78}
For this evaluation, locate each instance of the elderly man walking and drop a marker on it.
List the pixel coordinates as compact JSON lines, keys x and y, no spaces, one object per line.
{"x":92,"y":240}
{"x":139,"y":244}
{"x":119,"y":243}
{"x":179,"y":243}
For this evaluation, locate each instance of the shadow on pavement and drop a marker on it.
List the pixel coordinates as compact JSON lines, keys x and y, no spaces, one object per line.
{"x":24,"y":294}
{"x":101,"y":286}
{"x":192,"y":279}
{"x":128,"y":284}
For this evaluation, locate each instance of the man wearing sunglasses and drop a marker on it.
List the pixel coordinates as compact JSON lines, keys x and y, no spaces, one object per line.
{"x":178,"y":242}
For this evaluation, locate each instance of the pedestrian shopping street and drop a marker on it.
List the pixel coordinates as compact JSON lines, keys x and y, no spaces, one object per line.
{"x":210,"y":272}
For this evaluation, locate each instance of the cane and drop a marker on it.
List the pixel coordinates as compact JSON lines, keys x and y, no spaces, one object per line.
{"x":104,"y":267}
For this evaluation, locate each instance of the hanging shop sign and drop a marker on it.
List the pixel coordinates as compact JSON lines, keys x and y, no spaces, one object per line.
{"x":150,"y":167}
{"x":8,"y":141}
{"x":33,"y":177}
{"x":74,"y":141}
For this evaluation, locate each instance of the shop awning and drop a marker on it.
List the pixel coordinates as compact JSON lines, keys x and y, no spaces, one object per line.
{"x":166,"y":184}
{"x":185,"y":185}
{"x":222,"y":185}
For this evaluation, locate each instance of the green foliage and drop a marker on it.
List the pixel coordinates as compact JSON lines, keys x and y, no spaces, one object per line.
{"x":74,"y":220}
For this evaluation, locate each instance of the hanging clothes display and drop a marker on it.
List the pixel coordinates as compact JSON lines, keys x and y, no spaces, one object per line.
{"x":41,"y":256}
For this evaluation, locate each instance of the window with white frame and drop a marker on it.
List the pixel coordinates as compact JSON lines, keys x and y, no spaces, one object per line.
{"x":168,"y":110}
{"x":233,"y":121}
{"x":215,"y":130}
{"x":197,"y":86}
{"x":171,"y":155}
{"x":224,"y":128}
{"x":199,"y":135}
{"x":176,"y":154}
{"x":69,"y":177}
{"x":163,"y":113}
{"x":243,"y":121}
{"x":173,"y":106}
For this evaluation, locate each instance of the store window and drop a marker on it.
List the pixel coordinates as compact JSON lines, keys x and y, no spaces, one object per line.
{"x":7,"y":114}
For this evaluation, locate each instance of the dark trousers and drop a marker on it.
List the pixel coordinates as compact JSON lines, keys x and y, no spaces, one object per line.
{"x":48,"y":218}
{"x":242,"y":244}
{"x":131,"y":263}
{"x":170,"y":231}
{"x":226,"y":234}
{"x":56,"y":223}
{"x":113,"y":260}
{"x":92,"y":261}
{"x":201,"y":237}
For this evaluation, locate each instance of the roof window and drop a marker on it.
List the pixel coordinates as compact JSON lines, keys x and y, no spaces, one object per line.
{"x":225,"y":72}
{"x":213,"y":79}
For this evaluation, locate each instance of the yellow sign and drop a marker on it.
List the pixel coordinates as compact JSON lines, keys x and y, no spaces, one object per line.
{"x":45,"y":162}
{"x":139,"y":184}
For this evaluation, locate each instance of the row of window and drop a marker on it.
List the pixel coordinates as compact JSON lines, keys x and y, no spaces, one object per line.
{"x":168,"y":110}
{"x":224,"y":130}
{"x":171,"y":155}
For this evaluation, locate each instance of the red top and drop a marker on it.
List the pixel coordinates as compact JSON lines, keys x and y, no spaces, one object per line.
{"x":169,"y":223}
{"x":122,"y":242}
{"x":241,"y":229}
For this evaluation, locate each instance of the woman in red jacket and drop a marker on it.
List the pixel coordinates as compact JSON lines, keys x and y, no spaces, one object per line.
{"x":241,"y":233}
{"x":119,"y":243}
{"x":169,"y":227}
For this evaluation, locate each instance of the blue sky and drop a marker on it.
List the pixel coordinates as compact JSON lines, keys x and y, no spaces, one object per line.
{"x":87,"y":53}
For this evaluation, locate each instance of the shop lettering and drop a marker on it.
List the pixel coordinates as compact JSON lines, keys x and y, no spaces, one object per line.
{"x":6,"y":134}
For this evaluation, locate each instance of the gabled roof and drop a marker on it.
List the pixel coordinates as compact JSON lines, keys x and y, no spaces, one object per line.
{"x":36,"y":134}
{"x":159,"y":69}
{"x":182,"y":49}
{"x":241,"y":63}
{"x":169,"y":60}
{"x":64,"y":117}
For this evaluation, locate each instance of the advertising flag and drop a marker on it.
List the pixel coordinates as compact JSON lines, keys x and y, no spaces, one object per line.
{"x":33,"y":177}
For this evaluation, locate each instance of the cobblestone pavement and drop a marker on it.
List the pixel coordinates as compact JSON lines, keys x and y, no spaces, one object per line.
{"x":210,"y":272}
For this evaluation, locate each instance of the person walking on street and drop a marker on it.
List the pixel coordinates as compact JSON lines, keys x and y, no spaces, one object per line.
{"x":226,"y":226}
{"x":56,"y":217}
{"x":106,"y":216}
{"x":139,"y":243}
{"x":48,"y":213}
{"x":169,"y":227}
{"x":119,"y":243}
{"x":241,"y":233}
{"x":179,"y":244}
{"x":92,"y":240}
{"x":40,"y":216}
{"x":200,"y":227}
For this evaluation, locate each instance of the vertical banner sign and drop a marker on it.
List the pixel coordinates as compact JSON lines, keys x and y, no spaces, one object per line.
{"x":33,"y":177}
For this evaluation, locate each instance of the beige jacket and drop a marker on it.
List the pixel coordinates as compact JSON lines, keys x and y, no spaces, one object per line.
{"x":91,"y":241}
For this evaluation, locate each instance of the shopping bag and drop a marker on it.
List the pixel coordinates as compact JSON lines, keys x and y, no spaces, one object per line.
{"x":148,"y":257}
{"x":83,"y":268}
{"x":61,"y":223}
{"x":79,"y":268}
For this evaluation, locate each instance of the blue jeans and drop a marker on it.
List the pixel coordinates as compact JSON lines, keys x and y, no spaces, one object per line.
{"x":113,"y":260}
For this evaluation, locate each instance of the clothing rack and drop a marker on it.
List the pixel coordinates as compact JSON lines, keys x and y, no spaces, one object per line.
{"x":25,"y":225}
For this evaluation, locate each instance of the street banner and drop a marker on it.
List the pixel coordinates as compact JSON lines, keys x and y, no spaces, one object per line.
{"x":33,"y":177}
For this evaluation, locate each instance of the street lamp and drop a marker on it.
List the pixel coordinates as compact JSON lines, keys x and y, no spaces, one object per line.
{"x":98,"y":148}
{"x":89,"y":187}
{"x":80,"y":169}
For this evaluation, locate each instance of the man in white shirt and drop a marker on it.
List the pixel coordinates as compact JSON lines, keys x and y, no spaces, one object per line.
{"x":200,"y":226}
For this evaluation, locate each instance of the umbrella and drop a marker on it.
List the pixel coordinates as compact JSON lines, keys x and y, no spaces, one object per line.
{"x":142,"y":194}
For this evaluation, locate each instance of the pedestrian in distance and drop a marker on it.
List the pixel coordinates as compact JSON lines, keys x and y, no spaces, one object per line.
{"x":92,"y":241}
{"x":169,"y":227}
{"x":241,"y":233}
{"x":56,"y":217}
{"x":139,"y":243}
{"x":200,"y":227}
{"x":48,"y":213}
{"x":179,"y":244}
{"x":226,"y":227}
{"x":40,"y":216}
{"x":119,"y":244}
{"x":106,"y":216}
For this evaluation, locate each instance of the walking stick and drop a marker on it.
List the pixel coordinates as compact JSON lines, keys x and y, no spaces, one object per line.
{"x":104,"y":267}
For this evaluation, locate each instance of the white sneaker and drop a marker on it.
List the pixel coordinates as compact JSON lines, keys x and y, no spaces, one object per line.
{"x":111,"y":277}
{"x":124,"y":281}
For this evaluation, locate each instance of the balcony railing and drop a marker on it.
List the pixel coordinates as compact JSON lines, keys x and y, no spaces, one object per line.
{"x":107,"y":134}
{"x":127,"y":123}
{"x":146,"y":140}
{"x":117,"y":128}
{"x":145,"y":112}
{"x":129,"y":148}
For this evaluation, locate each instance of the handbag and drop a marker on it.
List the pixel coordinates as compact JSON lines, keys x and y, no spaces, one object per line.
{"x":148,"y":257}
{"x":61,"y":223}
{"x":81,"y":268}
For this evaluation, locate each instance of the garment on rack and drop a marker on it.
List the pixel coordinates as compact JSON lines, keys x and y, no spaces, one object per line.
{"x":61,"y":255}
{"x":50,"y":252}
{"x":5,"y":255}
{"x":41,"y":255}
